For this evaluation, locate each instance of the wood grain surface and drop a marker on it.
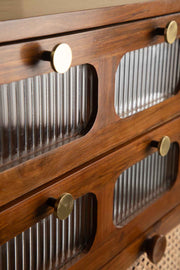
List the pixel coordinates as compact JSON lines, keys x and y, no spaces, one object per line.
{"x":99,"y":178}
{"x":12,"y":29}
{"x":131,"y":253}
{"x":103,"y":49}
{"x":93,"y":162}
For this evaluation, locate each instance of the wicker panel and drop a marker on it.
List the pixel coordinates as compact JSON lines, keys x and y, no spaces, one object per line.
{"x":41,"y":113}
{"x":143,"y":183}
{"x":52,"y":243}
{"x":171,"y":259}
{"x":146,"y":77}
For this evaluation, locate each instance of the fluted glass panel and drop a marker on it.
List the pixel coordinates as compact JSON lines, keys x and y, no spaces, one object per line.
{"x":40,"y":113}
{"x":51,"y":243}
{"x":146,"y":77}
{"x":143,"y":183}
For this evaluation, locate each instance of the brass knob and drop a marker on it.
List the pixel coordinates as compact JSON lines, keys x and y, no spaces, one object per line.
{"x":60,"y":57}
{"x":163,"y":146}
{"x":170,"y":32}
{"x":63,"y":206}
{"x":155,"y":248}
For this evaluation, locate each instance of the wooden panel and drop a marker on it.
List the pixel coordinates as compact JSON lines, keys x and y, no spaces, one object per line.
{"x":19,"y":9}
{"x":22,"y":60}
{"x":92,"y":163}
{"x":130,"y":254}
{"x":60,"y":23}
{"x":52,"y":243}
{"x":98,"y":178}
{"x":108,"y":132}
{"x":171,"y":256}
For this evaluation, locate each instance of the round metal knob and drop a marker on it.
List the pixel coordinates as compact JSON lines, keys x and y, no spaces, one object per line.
{"x":155,"y":248}
{"x":60,"y":57}
{"x":170,"y":32}
{"x":63,"y":206}
{"x":163,"y":146}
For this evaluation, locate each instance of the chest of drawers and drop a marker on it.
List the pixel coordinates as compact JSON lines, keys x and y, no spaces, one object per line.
{"x":92,"y":136}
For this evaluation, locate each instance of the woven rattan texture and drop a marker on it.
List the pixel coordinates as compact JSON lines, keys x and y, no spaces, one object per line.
{"x":171,"y":259}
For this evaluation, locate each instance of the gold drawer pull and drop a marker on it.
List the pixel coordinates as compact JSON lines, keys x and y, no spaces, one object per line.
{"x":155,"y":248}
{"x":60,"y":57}
{"x":163,"y":146}
{"x":169,"y":32}
{"x":63,"y":206}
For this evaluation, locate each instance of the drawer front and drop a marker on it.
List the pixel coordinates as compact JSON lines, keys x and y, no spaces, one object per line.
{"x":146,"y":77}
{"x":171,"y":259}
{"x":143,"y":183}
{"x":32,"y":162}
{"x":94,"y":16}
{"x":52,"y":243}
{"x":99,"y":178}
{"x":167,"y":226}
{"x":42,"y":113}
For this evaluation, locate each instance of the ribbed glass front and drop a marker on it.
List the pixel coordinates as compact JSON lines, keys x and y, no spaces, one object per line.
{"x":51,"y":243}
{"x":40,"y":113}
{"x":146,"y":77}
{"x":143,"y":183}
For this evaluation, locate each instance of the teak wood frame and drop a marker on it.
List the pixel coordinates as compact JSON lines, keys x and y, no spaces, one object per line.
{"x":99,"y":178}
{"x":130,"y":254}
{"x":112,"y":144}
{"x":53,"y":24}
{"x":103,"y":49}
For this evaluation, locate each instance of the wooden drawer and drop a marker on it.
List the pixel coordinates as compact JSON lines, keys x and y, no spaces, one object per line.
{"x":168,"y":226}
{"x":99,"y":178}
{"x":171,"y":256}
{"x":18,"y":25}
{"x":102,"y":49}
